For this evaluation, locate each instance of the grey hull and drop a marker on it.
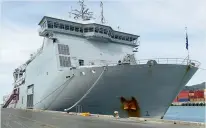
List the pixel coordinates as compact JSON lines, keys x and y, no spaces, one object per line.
{"x":153,"y":87}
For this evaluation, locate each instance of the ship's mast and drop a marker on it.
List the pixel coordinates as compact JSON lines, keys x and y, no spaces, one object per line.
{"x":83,"y":13}
{"x":102,"y":13}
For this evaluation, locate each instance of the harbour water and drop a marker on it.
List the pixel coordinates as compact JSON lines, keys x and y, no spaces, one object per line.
{"x":186,"y":113}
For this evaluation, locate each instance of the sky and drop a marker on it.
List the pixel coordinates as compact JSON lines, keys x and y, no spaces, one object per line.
{"x":160,"y":24}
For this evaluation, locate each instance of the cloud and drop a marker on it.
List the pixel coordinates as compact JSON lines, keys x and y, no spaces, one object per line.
{"x":17,"y":43}
{"x":161,"y":26}
{"x":170,"y":14}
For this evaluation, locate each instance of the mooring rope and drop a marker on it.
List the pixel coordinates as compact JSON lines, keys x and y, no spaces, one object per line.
{"x":88,"y":91}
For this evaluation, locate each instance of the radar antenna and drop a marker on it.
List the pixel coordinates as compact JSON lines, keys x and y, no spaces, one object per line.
{"x":83,"y":13}
{"x":102,"y":13}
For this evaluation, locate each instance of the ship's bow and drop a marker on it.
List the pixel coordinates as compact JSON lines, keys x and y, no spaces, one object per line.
{"x":144,"y":90}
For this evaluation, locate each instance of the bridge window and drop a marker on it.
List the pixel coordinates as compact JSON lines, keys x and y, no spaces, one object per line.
{"x":44,"y":25}
{"x":127,"y":38}
{"x":116,"y":36}
{"x":50,"y":24}
{"x":16,"y":76}
{"x":105,"y":31}
{"x":85,"y":29}
{"x":20,"y":75}
{"x":109,"y":33}
{"x":72,"y":28}
{"x":101,"y":30}
{"x":96,"y":29}
{"x":56,"y":24}
{"x":81,"y":30}
{"x":130,"y":38}
{"x":66,"y":27}
{"x":91,"y":29}
{"x":61,"y":26}
{"x":112,"y":35}
{"x":76,"y":29}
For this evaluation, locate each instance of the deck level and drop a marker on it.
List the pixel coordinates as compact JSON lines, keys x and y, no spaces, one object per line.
{"x":50,"y":119}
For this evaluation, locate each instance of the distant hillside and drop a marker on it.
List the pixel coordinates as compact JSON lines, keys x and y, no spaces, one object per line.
{"x":196,"y":87}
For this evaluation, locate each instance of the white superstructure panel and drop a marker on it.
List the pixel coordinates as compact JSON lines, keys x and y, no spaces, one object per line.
{"x":92,"y":51}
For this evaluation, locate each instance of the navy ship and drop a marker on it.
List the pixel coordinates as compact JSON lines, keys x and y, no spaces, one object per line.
{"x":86,"y":66}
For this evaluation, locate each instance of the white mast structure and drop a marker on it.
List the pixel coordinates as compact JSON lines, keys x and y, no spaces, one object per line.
{"x":83,"y":13}
{"x":102,"y":13}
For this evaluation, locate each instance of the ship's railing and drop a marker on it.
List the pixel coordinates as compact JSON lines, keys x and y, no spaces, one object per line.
{"x":180,"y":61}
{"x":177,"y":61}
{"x":98,"y":62}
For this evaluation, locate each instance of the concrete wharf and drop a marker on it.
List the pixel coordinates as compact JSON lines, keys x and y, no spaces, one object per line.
{"x":21,"y":118}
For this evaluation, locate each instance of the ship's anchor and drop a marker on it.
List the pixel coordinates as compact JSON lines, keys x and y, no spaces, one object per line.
{"x":131,"y":106}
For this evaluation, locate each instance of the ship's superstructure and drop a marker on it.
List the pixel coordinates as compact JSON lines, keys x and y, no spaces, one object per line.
{"x":82,"y":63}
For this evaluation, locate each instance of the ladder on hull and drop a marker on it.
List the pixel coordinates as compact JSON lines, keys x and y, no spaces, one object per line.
{"x":9,"y":101}
{"x":14,"y":96}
